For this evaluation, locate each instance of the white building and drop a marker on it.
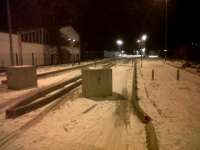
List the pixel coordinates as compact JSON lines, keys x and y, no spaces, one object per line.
{"x":30,"y":47}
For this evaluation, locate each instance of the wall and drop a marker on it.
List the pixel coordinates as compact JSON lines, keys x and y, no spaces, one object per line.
{"x":32,"y":48}
{"x":27,"y":50}
{"x":5,"y":48}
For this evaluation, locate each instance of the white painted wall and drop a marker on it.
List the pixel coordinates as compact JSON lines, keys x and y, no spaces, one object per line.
{"x":5,"y":48}
{"x":27,"y":50}
{"x":37,"y":49}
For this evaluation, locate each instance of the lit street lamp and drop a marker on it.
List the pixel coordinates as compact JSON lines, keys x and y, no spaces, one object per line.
{"x":166,"y":28}
{"x":140,"y":42}
{"x":119,"y":44}
{"x":72,"y":53}
{"x":144,"y":37}
{"x":165,"y":51}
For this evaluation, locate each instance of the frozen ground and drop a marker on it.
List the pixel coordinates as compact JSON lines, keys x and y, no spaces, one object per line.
{"x":194,"y":68}
{"x":173,"y":105}
{"x":7,"y":95}
{"x":88,"y":124}
{"x":109,"y":124}
{"x":46,"y":69}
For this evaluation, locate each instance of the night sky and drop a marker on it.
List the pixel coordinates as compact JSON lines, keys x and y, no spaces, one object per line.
{"x":101,"y":22}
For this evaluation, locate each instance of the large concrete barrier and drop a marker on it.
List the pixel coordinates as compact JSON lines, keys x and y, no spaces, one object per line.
{"x":21,"y":77}
{"x":96,"y":82}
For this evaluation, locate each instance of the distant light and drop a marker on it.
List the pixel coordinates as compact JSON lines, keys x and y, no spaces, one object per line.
{"x":144,"y":37}
{"x":69,"y":39}
{"x":119,"y":42}
{"x":122,"y":52}
{"x":165,"y":50}
{"x":74,"y":40}
{"x":153,"y":56}
{"x":143,"y":50}
{"x":138,"y":41}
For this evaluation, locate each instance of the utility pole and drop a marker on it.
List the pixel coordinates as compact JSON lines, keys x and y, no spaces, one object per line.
{"x":166,"y":23}
{"x":166,"y":29}
{"x":10,"y":32}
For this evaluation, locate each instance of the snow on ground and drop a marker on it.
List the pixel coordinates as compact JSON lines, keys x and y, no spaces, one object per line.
{"x":173,"y":105}
{"x":8,"y":95}
{"x":194,"y":68}
{"x":46,"y":69}
{"x":89,"y":124}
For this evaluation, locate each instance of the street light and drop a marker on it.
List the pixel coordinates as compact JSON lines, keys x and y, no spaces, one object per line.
{"x":165,"y":51}
{"x":144,"y":37}
{"x":140,"y":42}
{"x":166,"y":28}
{"x":119,"y":44}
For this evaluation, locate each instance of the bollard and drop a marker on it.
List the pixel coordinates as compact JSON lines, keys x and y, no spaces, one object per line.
{"x":51,"y":59}
{"x":178,"y":74}
{"x":33,"y":59}
{"x":17,"y":61}
{"x":152,"y":76}
{"x":132,"y":61}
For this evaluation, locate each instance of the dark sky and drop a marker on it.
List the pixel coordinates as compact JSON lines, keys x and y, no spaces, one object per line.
{"x":101,"y":22}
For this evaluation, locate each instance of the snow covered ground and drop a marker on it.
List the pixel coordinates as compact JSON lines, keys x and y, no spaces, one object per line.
{"x":173,"y":105}
{"x":46,"y":69}
{"x":87,"y":123}
{"x":194,"y":68}
{"x":8,"y":95}
{"x":109,"y":123}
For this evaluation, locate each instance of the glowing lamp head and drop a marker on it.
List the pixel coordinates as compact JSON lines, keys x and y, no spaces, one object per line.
{"x":143,"y":50}
{"x":165,"y":50}
{"x":119,"y":42}
{"x":144,"y":37}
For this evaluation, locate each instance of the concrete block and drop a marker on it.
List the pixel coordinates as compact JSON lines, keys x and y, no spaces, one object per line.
{"x":21,"y":77}
{"x":96,"y":82}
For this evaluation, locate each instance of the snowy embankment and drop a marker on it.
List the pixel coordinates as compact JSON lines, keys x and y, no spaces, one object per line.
{"x":8,"y":95}
{"x":173,"y":105}
{"x":187,"y":66}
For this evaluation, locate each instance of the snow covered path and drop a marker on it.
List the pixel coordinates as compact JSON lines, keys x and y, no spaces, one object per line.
{"x":89,"y":124}
{"x":173,"y":105}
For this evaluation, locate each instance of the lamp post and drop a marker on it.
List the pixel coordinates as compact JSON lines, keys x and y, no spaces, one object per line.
{"x":73,"y":59}
{"x":166,"y":29}
{"x":144,"y":38}
{"x":165,"y":51}
{"x":119,"y":44}
{"x":140,"y":42}
{"x":10,"y":32}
